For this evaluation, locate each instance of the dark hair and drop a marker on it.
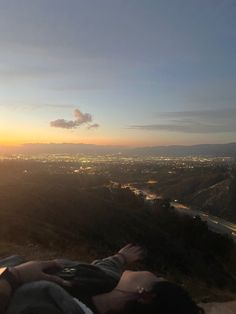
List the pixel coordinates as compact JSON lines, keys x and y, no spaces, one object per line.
{"x":169,"y":298}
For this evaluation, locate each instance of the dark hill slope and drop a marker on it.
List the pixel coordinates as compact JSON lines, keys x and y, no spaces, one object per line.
{"x":54,"y":212}
{"x":211,"y":189}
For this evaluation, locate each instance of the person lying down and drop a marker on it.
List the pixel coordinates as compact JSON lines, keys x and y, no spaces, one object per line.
{"x":104,"y":287}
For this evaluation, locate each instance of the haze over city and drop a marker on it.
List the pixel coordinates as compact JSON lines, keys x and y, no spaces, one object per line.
{"x":129,"y":73}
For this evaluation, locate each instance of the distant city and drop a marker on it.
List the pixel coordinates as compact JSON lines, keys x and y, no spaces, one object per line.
{"x":96,"y":164}
{"x":209,"y":150}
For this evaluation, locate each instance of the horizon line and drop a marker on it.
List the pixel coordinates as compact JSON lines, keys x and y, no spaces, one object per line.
{"x":107,"y":145}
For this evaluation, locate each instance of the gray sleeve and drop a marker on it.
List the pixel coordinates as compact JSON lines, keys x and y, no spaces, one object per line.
{"x":112,"y":265}
{"x":43,"y":297}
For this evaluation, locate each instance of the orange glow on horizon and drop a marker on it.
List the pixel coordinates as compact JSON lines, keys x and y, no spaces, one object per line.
{"x":23,"y":137}
{"x":10,"y":142}
{"x":20,"y":137}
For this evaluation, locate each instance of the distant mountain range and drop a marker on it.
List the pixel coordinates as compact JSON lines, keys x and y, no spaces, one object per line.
{"x":215,"y":150}
{"x":61,"y":148}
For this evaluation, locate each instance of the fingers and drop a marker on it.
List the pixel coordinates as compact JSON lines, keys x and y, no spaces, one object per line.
{"x":130,"y":245}
{"x":131,"y":253}
{"x":51,"y":264}
{"x":127,"y":246}
{"x":137,"y":250}
{"x":57,"y":280}
{"x":132,"y":248}
{"x":135,"y":247}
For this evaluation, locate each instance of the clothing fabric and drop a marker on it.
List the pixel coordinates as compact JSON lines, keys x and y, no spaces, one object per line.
{"x":43,"y":297}
{"x":83,"y":307}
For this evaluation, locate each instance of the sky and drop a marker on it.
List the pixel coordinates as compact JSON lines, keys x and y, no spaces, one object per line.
{"x":117,"y":72}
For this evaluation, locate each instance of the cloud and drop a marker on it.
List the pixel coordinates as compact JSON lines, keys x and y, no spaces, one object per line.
{"x":58,"y":106}
{"x":91,"y":85}
{"x":201,"y":122}
{"x":19,"y":106}
{"x":187,"y":128}
{"x":93,"y":126}
{"x":80,"y":118}
{"x":224,"y":113}
{"x":63,"y":124}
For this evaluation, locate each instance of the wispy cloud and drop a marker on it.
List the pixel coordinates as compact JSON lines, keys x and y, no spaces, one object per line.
{"x":202,"y":121}
{"x":64,"y":124}
{"x":187,"y":128}
{"x":80,"y":119}
{"x":92,"y":85}
{"x":34,"y":106}
{"x":225,"y":113}
{"x":93,"y":126}
{"x":58,"y":106}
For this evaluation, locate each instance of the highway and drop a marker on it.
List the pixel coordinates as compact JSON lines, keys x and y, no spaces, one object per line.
{"x":215,"y":224}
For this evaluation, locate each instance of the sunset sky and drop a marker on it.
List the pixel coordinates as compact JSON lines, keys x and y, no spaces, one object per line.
{"x":120,"y":72}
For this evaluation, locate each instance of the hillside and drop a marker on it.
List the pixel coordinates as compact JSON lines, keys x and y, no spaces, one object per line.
{"x":208,"y":189}
{"x":50,"y":214}
{"x":214,"y":150}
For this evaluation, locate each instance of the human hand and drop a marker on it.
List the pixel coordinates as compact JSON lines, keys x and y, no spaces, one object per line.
{"x":131,"y":253}
{"x":36,"y":270}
